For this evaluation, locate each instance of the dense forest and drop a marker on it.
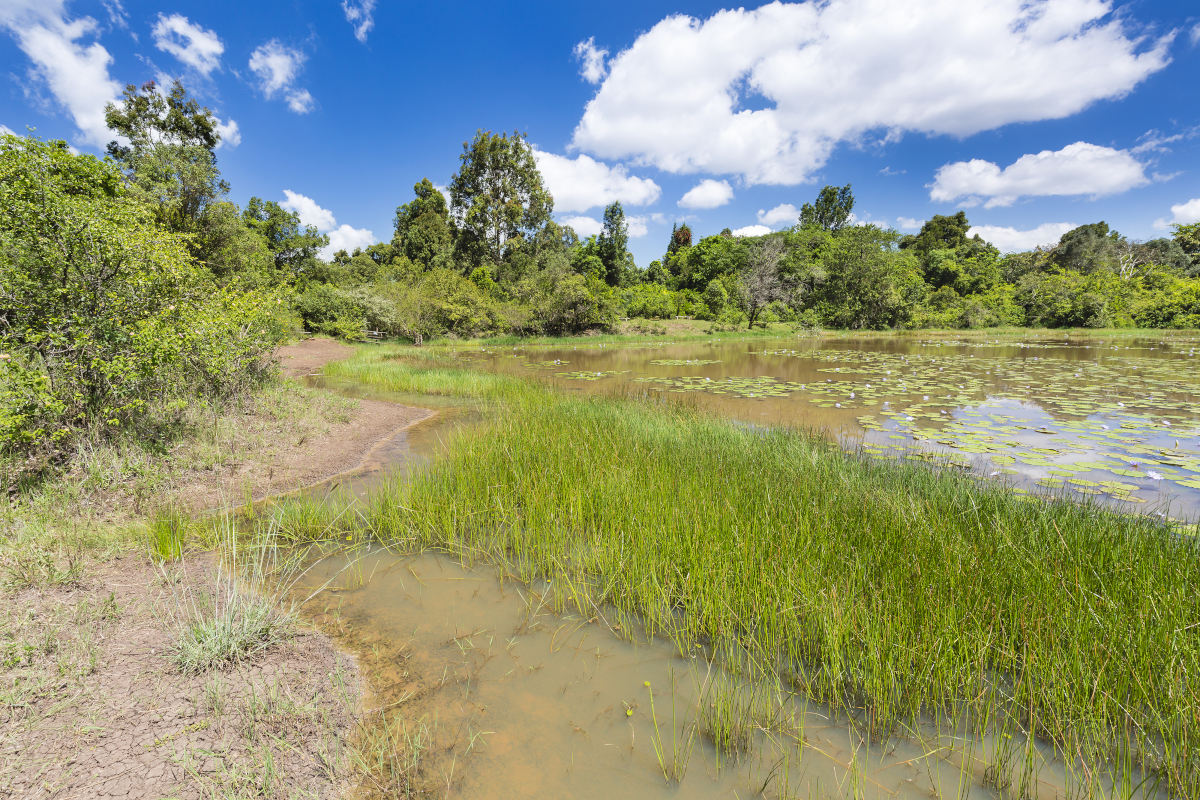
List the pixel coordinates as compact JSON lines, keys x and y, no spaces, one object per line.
{"x":131,"y":286}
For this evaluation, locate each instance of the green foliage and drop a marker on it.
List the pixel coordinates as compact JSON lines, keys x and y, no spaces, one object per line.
{"x":497,"y":196}
{"x":650,"y":301}
{"x":613,"y":246}
{"x":831,"y":211}
{"x":293,"y":247}
{"x":1188,"y":239}
{"x":423,"y":231}
{"x":108,"y":324}
{"x":869,"y":284}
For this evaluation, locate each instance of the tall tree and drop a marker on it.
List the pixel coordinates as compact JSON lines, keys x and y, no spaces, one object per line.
{"x":763,"y":281}
{"x":423,"y":232}
{"x":831,"y":210}
{"x":1091,"y":248}
{"x":167,"y":151}
{"x":939,"y":233}
{"x":613,"y":245}
{"x":497,"y":196}
{"x":293,"y":245}
{"x":1188,"y":239}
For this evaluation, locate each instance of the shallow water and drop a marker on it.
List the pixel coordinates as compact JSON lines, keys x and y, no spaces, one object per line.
{"x":1114,"y":419}
{"x":495,"y":695}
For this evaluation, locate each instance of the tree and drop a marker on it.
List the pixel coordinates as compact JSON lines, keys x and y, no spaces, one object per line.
{"x":1188,"y":239}
{"x":497,"y":197}
{"x":831,"y":211}
{"x":291,"y":244}
{"x":763,"y":280}
{"x":167,"y":152}
{"x":939,"y":233}
{"x":1090,"y":248}
{"x":612,"y":245}
{"x":681,"y":239}
{"x":868,"y":283}
{"x":423,"y":232}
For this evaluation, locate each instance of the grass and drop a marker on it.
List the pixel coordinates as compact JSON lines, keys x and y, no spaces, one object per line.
{"x":890,"y":592}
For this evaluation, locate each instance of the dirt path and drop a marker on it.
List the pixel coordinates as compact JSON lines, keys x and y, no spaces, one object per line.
{"x":292,"y":460}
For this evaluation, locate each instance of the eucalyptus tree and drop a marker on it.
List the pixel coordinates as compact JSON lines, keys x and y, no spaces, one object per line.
{"x":497,"y":197}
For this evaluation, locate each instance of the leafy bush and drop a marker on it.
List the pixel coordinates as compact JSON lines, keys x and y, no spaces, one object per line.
{"x":108,"y":323}
{"x":649,"y":301}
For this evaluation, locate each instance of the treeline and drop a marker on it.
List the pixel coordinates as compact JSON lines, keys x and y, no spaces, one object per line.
{"x":130,"y":287}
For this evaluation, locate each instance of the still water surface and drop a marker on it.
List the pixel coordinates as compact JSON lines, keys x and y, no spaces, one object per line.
{"x":1114,"y":419}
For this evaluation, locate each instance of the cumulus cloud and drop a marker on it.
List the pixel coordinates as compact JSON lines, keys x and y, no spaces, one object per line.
{"x":1011,"y":240}
{"x":341,"y":237}
{"x":784,"y":213}
{"x":309,"y":212}
{"x":580,"y":183}
{"x":347,"y":238}
{"x":591,"y":60}
{"x":229,"y":133}
{"x":361,"y":16}
{"x":1182,"y":214}
{"x":7,"y":131}
{"x":584,"y":226}
{"x":769,"y":93}
{"x":277,"y":66}
{"x":707,"y":194}
{"x":195,"y":46}
{"x":908,"y":224}
{"x":752,"y":230}
{"x":639,"y":225}
{"x":72,"y":69}
{"x":1077,"y":169}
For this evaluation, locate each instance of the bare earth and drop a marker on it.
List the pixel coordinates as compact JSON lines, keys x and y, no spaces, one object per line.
{"x":96,"y":707}
{"x":91,"y":704}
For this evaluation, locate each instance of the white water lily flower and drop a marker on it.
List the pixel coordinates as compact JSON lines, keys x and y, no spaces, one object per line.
{"x":1152,"y":475}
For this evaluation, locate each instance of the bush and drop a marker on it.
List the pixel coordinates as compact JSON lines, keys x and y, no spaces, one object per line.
{"x":108,"y":323}
{"x":649,"y":301}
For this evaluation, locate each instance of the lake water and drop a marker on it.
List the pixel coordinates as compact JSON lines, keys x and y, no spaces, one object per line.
{"x":1116,"y":419}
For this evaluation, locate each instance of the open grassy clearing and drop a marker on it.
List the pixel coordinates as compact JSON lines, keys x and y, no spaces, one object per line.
{"x":888,"y":591}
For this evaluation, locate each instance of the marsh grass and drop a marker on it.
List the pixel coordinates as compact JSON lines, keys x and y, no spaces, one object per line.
{"x":887,"y":591}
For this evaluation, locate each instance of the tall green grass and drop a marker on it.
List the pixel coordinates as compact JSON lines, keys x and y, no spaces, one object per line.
{"x":890,"y":591}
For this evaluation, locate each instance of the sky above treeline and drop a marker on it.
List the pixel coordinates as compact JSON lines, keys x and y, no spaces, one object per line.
{"x":1032,"y":115}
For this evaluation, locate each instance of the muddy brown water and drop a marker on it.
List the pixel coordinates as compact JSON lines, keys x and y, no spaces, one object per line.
{"x":500,"y":696}
{"x":500,"y":693}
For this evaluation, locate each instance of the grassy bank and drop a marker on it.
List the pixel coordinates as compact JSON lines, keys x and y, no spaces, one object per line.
{"x":886,"y":590}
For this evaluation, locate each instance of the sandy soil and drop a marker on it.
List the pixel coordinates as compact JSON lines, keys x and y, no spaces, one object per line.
{"x":290,"y":462}
{"x":91,"y":703}
{"x":96,"y":708}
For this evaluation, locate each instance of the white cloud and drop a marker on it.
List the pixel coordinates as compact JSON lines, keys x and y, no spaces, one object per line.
{"x":7,"y":131}
{"x":361,"y":15}
{"x":341,"y":237}
{"x":752,"y":230}
{"x":309,"y":212}
{"x":1079,"y":168}
{"x":1195,"y":34}
{"x":277,"y":68}
{"x":889,"y":172}
{"x":591,"y":60}
{"x":909,"y":224}
{"x":347,"y":238}
{"x":780,"y":214}
{"x":1182,"y":214}
{"x":707,"y":194}
{"x":639,"y":226}
{"x":229,"y":133}
{"x":1011,"y":240}
{"x":300,"y":101}
{"x":584,"y":226}
{"x":116,"y":13}
{"x":769,"y":93}
{"x":195,"y":46}
{"x":76,"y":73}
{"x":578,"y":184}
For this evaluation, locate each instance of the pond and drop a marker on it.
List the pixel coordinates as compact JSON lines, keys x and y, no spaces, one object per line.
{"x":1115,"y":419}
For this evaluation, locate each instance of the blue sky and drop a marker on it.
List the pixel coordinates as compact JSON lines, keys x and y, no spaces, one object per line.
{"x":1033,"y":115}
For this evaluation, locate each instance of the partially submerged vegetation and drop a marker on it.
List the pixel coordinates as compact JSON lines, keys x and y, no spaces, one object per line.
{"x":890,"y":592}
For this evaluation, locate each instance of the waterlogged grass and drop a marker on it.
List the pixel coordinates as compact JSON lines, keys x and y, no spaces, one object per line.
{"x":889,"y":591}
